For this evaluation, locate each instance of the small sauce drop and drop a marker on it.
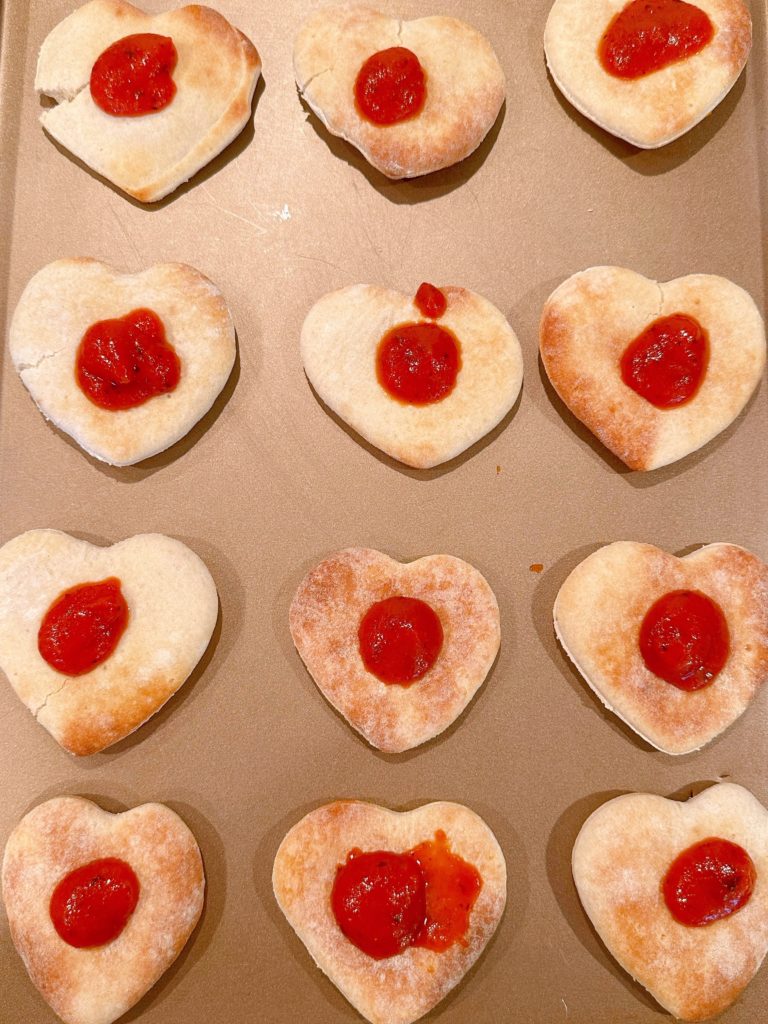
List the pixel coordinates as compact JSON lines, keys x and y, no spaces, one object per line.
{"x":648,"y":35}
{"x":82,"y":627}
{"x":666,"y":364}
{"x":708,"y":881}
{"x":418,"y":363}
{"x":134,"y":76}
{"x":92,"y":904}
{"x":430,"y":301}
{"x":537,"y":567}
{"x":391,"y":86}
{"x":124,"y":362}
{"x":385,"y":902}
{"x":684,"y":639}
{"x":400,"y":639}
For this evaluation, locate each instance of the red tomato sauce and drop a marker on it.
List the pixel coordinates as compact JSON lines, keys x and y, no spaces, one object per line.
{"x":92,"y":904}
{"x":400,"y":639}
{"x":83,"y":626}
{"x":708,"y":881}
{"x":124,"y":362}
{"x":391,"y":86}
{"x":134,"y":76}
{"x":684,"y":639}
{"x":648,"y":35}
{"x":386,"y":902}
{"x":430,"y":301}
{"x":418,"y":363}
{"x":666,"y":364}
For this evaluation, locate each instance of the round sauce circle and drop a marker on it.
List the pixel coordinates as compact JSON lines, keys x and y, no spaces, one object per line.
{"x":83,"y":626}
{"x":648,"y":35}
{"x":400,"y":639}
{"x":92,"y":904}
{"x":391,"y":86}
{"x":708,"y":881}
{"x":684,"y":639}
{"x":134,"y":76}
{"x":124,"y":362}
{"x":418,"y":363}
{"x":379,"y":901}
{"x":430,"y":301}
{"x":666,"y":364}
{"x":386,"y":902}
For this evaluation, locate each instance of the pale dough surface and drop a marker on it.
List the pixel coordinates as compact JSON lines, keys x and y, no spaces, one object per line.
{"x":402,"y":988}
{"x":98,"y":985}
{"x":151,"y":155}
{"x":600,"y":608}
{"x":173,"y":607}
{"x":657,"y":108}
{"x":620,"y":859}
{"x":339,"y":341}
{"x":66,"y":297}
{"x":591,"y":318}
{"x":325,"y":616}
{"x":464,"y":81}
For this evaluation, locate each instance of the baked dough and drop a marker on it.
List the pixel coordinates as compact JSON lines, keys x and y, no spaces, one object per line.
{"x":173,"y":607}
{"x":66,"y":297}
{"x":325,"y":616}
{"x":402,"y":988}
{"x":620,"y":858}
{"x":657,"y":108}
{"x":593,"y":316}
{"x":149,"y":156}
{"x":339,"y":340}
{"x":98,"y":985}
{"x":465,"y":86}
{"x":598,"y":613}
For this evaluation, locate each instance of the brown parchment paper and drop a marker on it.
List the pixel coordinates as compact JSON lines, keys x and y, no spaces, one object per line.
{"x":270,"y":482}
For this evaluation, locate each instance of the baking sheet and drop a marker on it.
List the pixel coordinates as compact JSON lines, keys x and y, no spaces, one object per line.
{"x":270,"y":482}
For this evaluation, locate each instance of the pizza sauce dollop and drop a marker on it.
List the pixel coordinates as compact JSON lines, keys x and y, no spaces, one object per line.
{"x":684,"y":639}
{"x":386,"y":902}
{"x":666,"y":363}
{"x":83,"y":626}
{"x":418,"y":364}
{"x":400,"y":639}
{"x":124,"y":362}
{"x":92,"y":904}
{"x":391,"y":86}
{"x":710,"y":880}
{"x":430,"y":301}
{"x":648,"y":35}
{"x":134,"y":76}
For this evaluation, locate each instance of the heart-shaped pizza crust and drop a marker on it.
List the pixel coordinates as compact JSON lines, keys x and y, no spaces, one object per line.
{"x":401,"y":988}
{"x":325,"y":617}
{"x":465,"y":86}
{"x":65,"y":298}
{"x":656,"y":108}
{"x":591,"y":319}
{"x":339,"y":342}
{"x":600,"y":608}
{"x":151,"y":155}
{"x":172,"y":610}
{"x":620,"y":859}
{"x":97,"y":985}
